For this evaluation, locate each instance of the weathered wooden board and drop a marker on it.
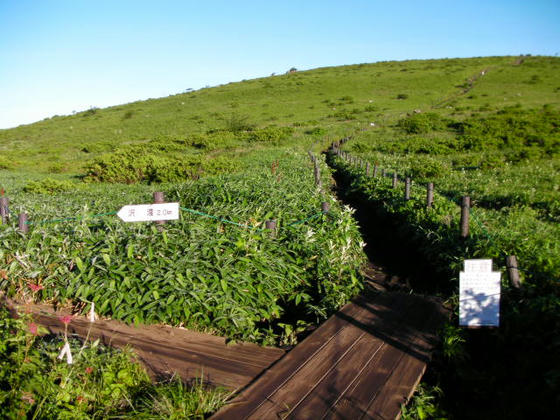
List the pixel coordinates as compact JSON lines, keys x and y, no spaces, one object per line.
{"x":166,"y":350}
{"x":364,"y":362}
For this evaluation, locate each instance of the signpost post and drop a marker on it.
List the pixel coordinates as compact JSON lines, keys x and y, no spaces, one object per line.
{"x":479,"y":295}
{"x":149,"y":212}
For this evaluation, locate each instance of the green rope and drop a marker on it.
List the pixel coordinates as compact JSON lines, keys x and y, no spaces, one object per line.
{"x":66,"y":219}
{"x":306,"y":219}
{"x":482,"y":227}
{"x":199,"y":213}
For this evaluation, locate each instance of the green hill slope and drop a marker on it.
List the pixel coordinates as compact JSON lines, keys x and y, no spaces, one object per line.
{"x":325,"y":97}
{"x":235,"y":156}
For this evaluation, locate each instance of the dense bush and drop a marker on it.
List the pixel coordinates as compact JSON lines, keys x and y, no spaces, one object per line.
{"x":270,"y":135}
{"x":49,"y":186}
{"x":140,"y":164}
{"x":421,"y":123}
{"x":525,"y":133}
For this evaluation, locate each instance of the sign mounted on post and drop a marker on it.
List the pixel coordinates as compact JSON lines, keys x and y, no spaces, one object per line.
{"x":149,"y":212}
{"x":479,"y":295}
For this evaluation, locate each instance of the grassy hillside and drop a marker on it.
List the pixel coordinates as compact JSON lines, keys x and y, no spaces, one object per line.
{"x":325,"y":97}
{"x":235,"y":156}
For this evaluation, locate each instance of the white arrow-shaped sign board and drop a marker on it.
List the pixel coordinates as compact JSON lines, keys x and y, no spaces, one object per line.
{"x":149,"y":212}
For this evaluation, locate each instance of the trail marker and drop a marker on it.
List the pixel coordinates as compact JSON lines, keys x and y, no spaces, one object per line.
{"x":479,"y":295}
{"x":149,"y":212}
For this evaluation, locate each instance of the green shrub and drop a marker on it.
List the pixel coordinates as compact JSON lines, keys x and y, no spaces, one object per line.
{"x":6,"y":163}
{"x":272,"y":135}
{"x":49,"y":186}
{"x":421,"y":123}
{"x":133,"y":164}
{"x":56,"y":168}
{"x":426,"y":168}
{"x":237,"y":123}
{"x":128,"y":115}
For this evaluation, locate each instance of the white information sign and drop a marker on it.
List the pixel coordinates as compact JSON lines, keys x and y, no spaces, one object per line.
{"x":479,"y":294}
{"x":149,"y":212}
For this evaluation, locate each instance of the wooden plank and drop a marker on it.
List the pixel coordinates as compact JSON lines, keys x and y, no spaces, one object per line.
{"x":248,"y":353}
{"x":370,"y":348}
{"x":289,"y":395}
{"x":376,"y":378}
{"x":259,"y":391}
{"x":166,"y":350}
{"x":408,"y":373}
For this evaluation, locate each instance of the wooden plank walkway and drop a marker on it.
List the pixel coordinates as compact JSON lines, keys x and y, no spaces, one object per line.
{"x":166,"y":350}
{"x":363,"y":362}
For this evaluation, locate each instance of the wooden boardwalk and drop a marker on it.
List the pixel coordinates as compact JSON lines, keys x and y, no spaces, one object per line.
{"x":363,"y":362}
{"x":166,"y":350}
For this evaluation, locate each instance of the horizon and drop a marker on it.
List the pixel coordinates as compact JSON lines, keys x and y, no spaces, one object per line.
{"x":66,"y":57}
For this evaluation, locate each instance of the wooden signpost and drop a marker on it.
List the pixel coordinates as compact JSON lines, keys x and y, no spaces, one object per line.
{"x":149,"y":212}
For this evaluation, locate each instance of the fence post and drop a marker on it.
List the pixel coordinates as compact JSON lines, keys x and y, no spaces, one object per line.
{"x":4,"y":209}
{"x":513,"y":271}
{"x":159,"y":199}
{"x":367,"y":169}
{"x":383,"y":173}
{"x":407,"y":188}
{"x":325,"y":207}
{"x":465,"y":207}
{"x":317,"y":175}
{"x":271,"y":225}
{"x":395,"y":179}
{"x":375,"y":169}
{"x":430,"y":195}
{"x":22,"y":223}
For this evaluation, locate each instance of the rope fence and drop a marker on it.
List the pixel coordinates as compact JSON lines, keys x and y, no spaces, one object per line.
{"x":27,"y":223}
{"x":24,"y":223}
{"x":464,"y":202}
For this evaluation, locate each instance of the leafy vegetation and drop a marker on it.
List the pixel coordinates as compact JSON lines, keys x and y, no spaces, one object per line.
{"x":101,"y":382}
{"x":203,"y":274}
{"x":487,"y":127}
{"x":507,"y":162}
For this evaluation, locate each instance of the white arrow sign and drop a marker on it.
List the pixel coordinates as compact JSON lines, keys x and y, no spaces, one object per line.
{"x":149,"y":212}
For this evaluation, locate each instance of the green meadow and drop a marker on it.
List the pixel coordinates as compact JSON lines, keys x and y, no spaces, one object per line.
{"x":236,"y":155}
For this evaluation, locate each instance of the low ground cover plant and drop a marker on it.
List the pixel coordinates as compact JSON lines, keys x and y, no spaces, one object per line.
{"x":101,"y":382}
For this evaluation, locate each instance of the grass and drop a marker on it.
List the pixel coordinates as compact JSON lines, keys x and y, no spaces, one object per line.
{"x":100,"y":383}
{"x":487,"y":127}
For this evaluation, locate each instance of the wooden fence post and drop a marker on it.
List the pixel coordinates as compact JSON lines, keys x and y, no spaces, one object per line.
{"x":513,"y":271}
{"x":271,"y":225}
{"x":395,"y":179}
{"x":407,"y":188}
{"x":159,"y":199}
{"x":4,"y":202}
{"x":22,"y":223}
{"x":430,"y":195}
{"x":367,"y":169}
{"x":325,"y":207}
{"x":375,"y":169}
{"x":317,"y":175}
{"x":465,"y":207}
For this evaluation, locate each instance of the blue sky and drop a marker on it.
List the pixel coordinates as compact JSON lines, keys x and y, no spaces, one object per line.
{"x":62,"y":56}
